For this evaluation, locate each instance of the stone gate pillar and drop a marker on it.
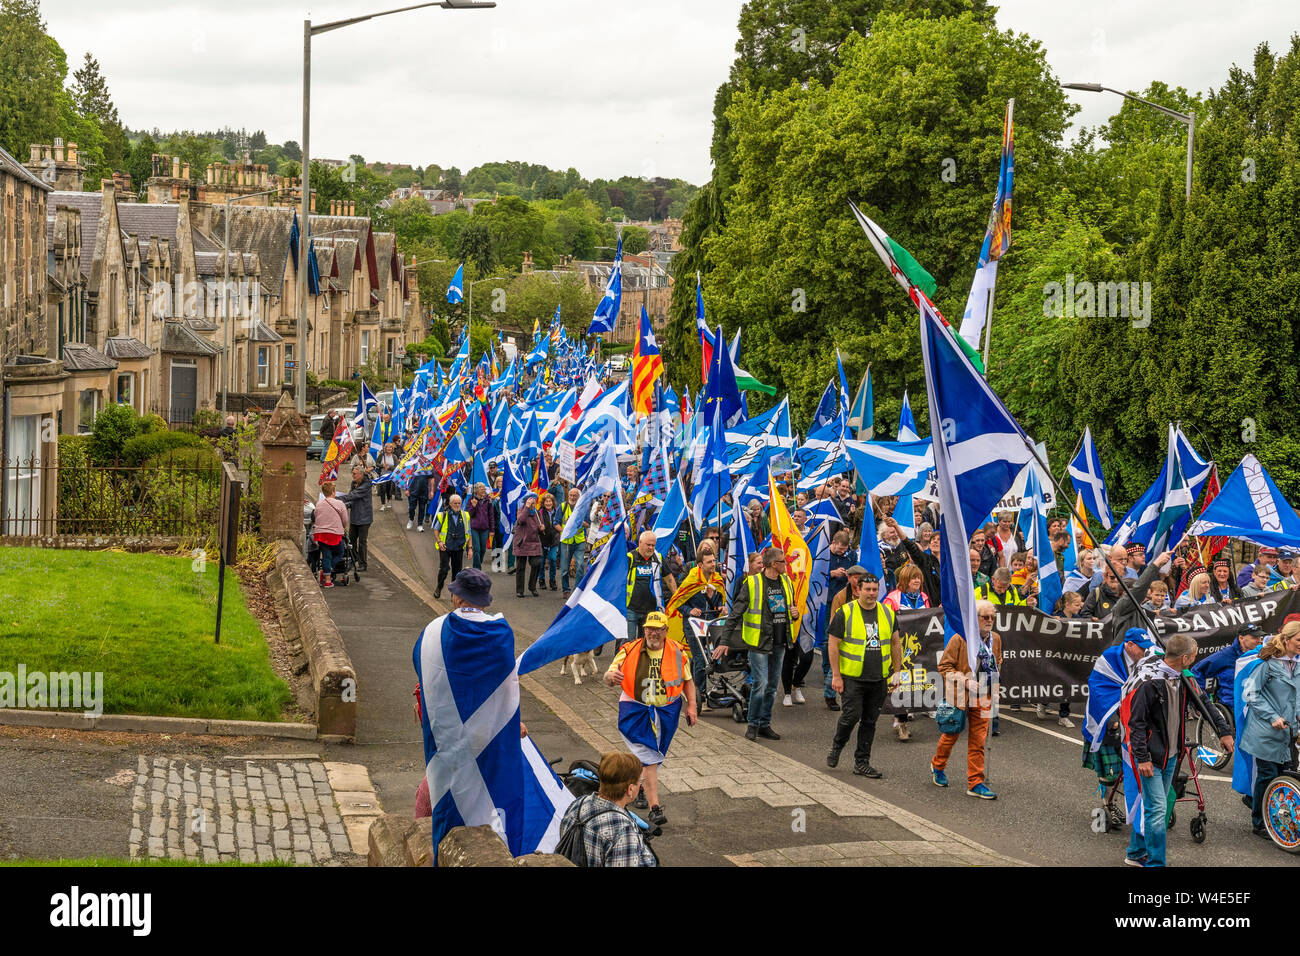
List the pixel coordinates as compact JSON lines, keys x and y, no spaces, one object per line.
{"x":284,"y":439}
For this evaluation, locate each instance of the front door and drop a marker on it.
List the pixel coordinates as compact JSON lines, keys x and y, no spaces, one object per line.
{"x":185,"y":381}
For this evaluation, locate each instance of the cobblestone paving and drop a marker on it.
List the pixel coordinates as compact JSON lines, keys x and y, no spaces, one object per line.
{"x":249,"y":810}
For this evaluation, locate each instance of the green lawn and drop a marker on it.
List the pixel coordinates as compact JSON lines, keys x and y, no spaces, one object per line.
{"x":146,"y":621}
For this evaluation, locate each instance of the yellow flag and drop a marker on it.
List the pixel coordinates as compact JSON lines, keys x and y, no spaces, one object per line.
{"x":1074,"y":523}
{"x":798,"y":558}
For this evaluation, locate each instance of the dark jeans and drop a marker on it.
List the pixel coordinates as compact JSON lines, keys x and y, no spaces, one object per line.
{"x":634,"y":621}
{"x":415,"y":508}
{"x":357,"y":534}
{"x":795,"y":667}
{"x":576,"y":551}
{"x":329,"y":553}
{"x":449,"y":560}
{"x":550,"y":562}
{"x":534,"y":567}
{"x":862,"y":700}
{"x":764,"y":670}
{"x":1266,"y":771}
{"x":480,"y":541}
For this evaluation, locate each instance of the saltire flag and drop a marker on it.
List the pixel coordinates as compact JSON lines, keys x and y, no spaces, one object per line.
{"x":537,"y":329}
{"x":602,"y":479}
{"x":813,"y":629}
{"x":740,"y":545}
{"x":979,"y":449}
{"x":669,"y":519}
{"x":908,"y":273}
{"x":530,"y":442}
{"x":997,"y":239}
{"x":798,"y":557}
{"x":479,"y":770}
{"x":513,"y":490}
{"x":1244,"y":771}
{"x":1151,"y":667}
{"x":593,"y":615}
{"x":706,"y":337}
{"x":606,"y":313}
{"x":654,"y":481}
{"x":456,"y":288}
{"x":539,"y":353}
{"x":828,"y":408}
{"x":647,"y":366}
{"x":822,"y":454}
{"x":1139,"y":524}
{"x":822,"y":510}
{"x":365,"y":401}
{"x":340,"y":450}
{"x":1086,"y":477}
{"x":753,"y":487}
{"x":869,"y":544}
{"x":1037,"y":541}
{"x":906,"y":423}
{"x":1250,"y":506}
{"x":863,"y":413}
{"x":751,"y":443}
{"x":1175,"y":509}
{"x":713,"y":479}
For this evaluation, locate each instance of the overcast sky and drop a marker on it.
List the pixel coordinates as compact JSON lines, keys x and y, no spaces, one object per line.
{"x":608,"y":86}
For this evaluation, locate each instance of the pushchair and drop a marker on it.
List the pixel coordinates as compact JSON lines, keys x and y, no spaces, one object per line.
{"x":344,"y":568}
{"x":726,"y":681}
{"x":583,"y":778}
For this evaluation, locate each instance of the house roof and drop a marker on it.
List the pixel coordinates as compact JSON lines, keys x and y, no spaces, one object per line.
{"x":261,"y":229}
{"x":126,"y":347}
{"x":19,"y":171}
{"x":259,"y":331}
{"x":145,"y":219}
{"x":78,"y":357}
{"x":345,"y":259}
{"x":385,"y":256}
{"x":179,"y":339}
{"x":201,"y":323}
{"x":90,"y":206}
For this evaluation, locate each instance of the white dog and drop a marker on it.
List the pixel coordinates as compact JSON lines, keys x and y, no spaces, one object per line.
{"x":577,"y":662}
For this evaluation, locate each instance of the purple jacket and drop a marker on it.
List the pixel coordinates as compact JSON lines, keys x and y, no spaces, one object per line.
{"x":482,"y":516}
{"x":528,"y":535}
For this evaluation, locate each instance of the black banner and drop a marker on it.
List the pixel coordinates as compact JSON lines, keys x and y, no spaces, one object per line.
{"x":1048,"y":659}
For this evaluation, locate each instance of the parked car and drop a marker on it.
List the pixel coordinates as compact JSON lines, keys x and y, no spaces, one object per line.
{"x":619,"y":363}
{"x":318,"y":445}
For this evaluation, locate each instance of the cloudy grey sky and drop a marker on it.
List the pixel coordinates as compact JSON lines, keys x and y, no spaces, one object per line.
{"x":608,"y":86}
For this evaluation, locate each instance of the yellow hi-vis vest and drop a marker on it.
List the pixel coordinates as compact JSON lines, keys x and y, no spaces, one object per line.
{"x":856,"y":648}
{"x":751,"y":622}
{"x":1012,"y":596}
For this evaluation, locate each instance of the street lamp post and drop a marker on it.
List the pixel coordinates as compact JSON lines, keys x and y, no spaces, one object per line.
{"x":225,"y":301}
{"x":309,"y":31}
{"x":1188,"y":118}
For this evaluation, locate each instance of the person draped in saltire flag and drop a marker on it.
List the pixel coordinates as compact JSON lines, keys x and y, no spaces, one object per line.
{"x":1153,"y":708}
{"x":654,"y":674}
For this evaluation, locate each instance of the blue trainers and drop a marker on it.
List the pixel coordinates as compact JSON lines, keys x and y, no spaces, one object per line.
{"x":939,"y":777}
{"x":981,"y":791}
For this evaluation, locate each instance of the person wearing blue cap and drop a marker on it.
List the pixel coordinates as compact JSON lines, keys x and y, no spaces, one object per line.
{"x":1102,"y":734}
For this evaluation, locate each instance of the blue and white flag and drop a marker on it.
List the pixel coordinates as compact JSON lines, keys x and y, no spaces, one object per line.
{"x":1139,"y":524}
{"x":906,"y":423}
{"x":892,"y":467}
{"x":862,"y":415}
{"x":602,"y":479}
{"x":456,"y":288}
{"x":606,"y":313}
{"x":669,"y":519}
{"x":478,"y":770}
{"x":752,"y":442}
{"x":823,"y":511}
{"x":722,"y":388}
{"x":514,"y":488}
{"x":594,"y":614}
{"x":1085,"y":476}
{"x":1244,"y":772}
{"x":979,"y":449}
{"x":869,"y":546}
{"x":365,"y":402}
{"x":740,"y":545}
{"x":1109,"y":672}
{"x":1037,"y":541}
{"x":812,"y":631}
{"x":1175,"y":509}
{"x":713,"y":480}
{"x":1250,"y":507}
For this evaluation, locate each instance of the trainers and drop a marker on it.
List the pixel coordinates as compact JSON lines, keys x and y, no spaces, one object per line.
{"x":437,"y":592}
{"x":751,"y":732}
{"x":981,"y":791}
{"x":767,"y":733}
{"x":787,"y":701}
{"x":641,"y":802}
{"x":939,"y":778}
{"x":833,"y":757}
{"x":866,"y":770}
{"x":798,"y":696}
{"x":409,"y":524}
{"x":1064,"y":722}
{"x":903,"y":732}
{"x":1041,"y":711}
{"x":656,"y":816}
{"x":420,"y":528}
{"x":832,"y":703}
{"x":1140,"y":862}
{"x":329,"y":583}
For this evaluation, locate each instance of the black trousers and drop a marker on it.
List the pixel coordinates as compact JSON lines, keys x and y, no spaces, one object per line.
{"x":534,"y":566}
{"x":357,"y":535}
{"x":862,"y":700}
{"x":449,"y":560}
{"x":795,"y":667}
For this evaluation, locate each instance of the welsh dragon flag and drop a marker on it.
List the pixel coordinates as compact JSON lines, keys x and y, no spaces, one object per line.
{"x":908,"y":273}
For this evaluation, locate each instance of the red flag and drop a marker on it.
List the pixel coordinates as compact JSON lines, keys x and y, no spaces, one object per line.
{"x":1209,"y":547}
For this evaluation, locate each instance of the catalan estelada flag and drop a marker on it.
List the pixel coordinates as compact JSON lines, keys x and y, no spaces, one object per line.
{"x":647,"y":365}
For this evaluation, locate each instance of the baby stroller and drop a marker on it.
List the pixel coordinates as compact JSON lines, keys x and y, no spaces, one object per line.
{"x":343,"y":566}
{"x":583,"y":778}
{"x":726,"y":681}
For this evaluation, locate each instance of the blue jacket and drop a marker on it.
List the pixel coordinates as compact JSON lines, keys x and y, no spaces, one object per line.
{"x":1270,"y":692}
{"x":1222,"y":666}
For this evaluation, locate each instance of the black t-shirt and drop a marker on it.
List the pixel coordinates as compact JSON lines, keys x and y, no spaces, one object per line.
{"x":778,"y":612}
{"x":643,"y":596}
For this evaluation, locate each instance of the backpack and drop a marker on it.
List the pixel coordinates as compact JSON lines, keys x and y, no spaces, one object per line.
{"x":572,"y":845}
